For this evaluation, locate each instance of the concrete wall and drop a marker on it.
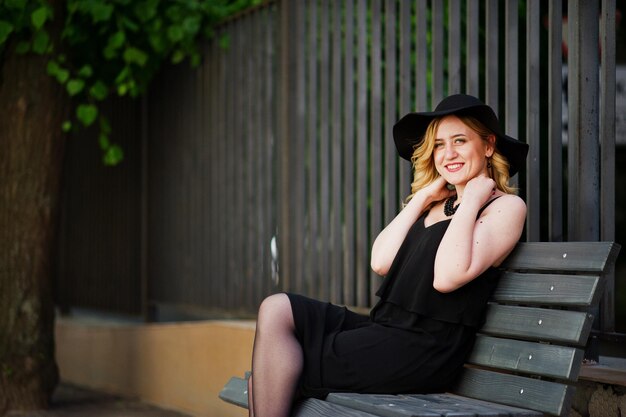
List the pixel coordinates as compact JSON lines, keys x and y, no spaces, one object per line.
{"x":181,"y":366}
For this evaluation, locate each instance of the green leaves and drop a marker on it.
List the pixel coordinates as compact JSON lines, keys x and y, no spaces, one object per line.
{"x":58,"y":72}
{"x":134,"y":55}
{"x":39,"y":17}
{"x":75,"y":86}
{"x":87,"y":114}
{"x":116,"y":46}
{"x":5,"y":30}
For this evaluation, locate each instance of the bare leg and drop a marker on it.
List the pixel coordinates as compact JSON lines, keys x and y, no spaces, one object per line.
{"x":277,"y":359}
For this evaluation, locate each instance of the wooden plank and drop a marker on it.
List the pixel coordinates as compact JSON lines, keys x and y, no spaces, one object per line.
{"x":538,"y":324}
{"x":492,"y":37}
{"x":336,"y":230}
{"x":361,"y":245}
{"x":324,"y":157}
{"x":454,"y":46}
{"x":425,"y":405}
{"x":235,"y":392}
{"x":312,"y":255}
{"x":349,"y":276}
{"x":566,"y":256}
{"x":376,"y":138}
{"x":505,"y":410}
{"x":404,"y":87}
{"x":555,"y":121}
{"x":511,"y":75}
{"x":527,"y":357}
{"x":472,"y":47}
{"x":533,"y":134}
{"x":381,"y":405}
{"x":583,"y":126}
{"x":313,"y":407}
{"x":534,"y":394}
{"x":421,"y":56}
{"x":437,"y":52}
{"x":391,"y":155}
{"x":548,"y":289}
{"x":607,"y":152}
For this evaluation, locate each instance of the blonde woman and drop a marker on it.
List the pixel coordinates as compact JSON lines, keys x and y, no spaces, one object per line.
{"x":440,"y":258}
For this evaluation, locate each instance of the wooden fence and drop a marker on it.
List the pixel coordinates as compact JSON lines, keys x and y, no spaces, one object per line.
{"x":283,"y":135}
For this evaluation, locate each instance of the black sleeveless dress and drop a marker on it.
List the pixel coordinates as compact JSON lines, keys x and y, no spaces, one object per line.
{"x":415,"y":339}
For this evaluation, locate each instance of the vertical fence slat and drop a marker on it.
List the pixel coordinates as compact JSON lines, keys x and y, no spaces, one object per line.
{"x":555,"y":122}
{"x":297,"y":157}
{"x":336,"y":155}
{"x":454,"y":50}
{"x":472,"y":47}
{"x":583,"y":153}
{"x":324,"y":140}
{"x":391,"y":158}
{"x":421,"y":57}
{"x":375,"y":162}
{"x":286,"y":122}
{"x":312,"y":138}
{"x":233,"y":127}
{"x":607,"y":151}
{"x":255,"y":270}
{"x":404,"y":84}
{"x":532,"y":121}
{"x":492,"y":36}
{"x":511,"y":74}
{"x":270,"y":158}
{"x":437,"y":52}
{"x":361,"y":171}
{"x":349,"y":288}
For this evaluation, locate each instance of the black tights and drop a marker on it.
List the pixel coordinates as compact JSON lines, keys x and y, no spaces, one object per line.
{"x":276,"y":360}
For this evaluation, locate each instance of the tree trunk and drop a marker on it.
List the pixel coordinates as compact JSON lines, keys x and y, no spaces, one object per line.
{"x":31,"y":150}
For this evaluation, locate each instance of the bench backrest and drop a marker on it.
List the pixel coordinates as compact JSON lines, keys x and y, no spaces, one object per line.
{"x":530,"y":348}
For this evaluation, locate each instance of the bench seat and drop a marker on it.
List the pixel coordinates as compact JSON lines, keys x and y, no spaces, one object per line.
{"x":527,"y":355}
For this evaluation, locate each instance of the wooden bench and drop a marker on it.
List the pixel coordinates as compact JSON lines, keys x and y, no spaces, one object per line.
{"x":527,"y":355}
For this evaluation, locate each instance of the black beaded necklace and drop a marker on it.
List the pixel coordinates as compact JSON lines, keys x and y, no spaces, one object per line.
{"x":448,"y":208}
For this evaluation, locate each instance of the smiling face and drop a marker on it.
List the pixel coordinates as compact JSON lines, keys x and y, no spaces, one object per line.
{"x":459,"y":153}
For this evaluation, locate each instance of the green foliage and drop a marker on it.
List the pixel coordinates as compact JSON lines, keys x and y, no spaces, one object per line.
{"x":112,"y":46}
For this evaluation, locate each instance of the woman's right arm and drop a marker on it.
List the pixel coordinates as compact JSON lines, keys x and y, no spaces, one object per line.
{"x":390,"y":239}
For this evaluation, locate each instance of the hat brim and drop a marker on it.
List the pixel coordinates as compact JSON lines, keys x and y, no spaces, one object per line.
{"x":409,"y":132}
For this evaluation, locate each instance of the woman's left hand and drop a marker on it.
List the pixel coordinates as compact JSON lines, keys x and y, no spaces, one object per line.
{"x":479,"y":190}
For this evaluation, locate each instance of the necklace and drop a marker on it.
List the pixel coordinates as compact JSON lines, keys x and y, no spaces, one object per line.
{"x":448,"y":208}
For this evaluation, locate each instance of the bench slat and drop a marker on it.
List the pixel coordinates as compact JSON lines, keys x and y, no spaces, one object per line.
{"x":236,"y":392}
{"x":426,"y":405}
{"x":563,"y":256}
{"x":540,"y":324}
{"x":313,"y":407}
{"x":398,"y":405}
{"x":544,"y":396}
{"x":548,"y":289}
{"x":505,"y":410}
{"x":530,"y":358}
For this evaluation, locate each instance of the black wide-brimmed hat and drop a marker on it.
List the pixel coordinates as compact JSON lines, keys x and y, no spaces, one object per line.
{"x":409,"y":131}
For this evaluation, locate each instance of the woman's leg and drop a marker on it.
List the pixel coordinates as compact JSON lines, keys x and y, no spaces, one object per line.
{"x":277,"y":359}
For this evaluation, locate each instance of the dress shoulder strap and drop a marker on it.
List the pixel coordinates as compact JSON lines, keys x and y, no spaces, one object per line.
{"x":486,"y":205}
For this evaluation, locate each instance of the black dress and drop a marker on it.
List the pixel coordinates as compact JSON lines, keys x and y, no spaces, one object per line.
{"x":415,"y":339}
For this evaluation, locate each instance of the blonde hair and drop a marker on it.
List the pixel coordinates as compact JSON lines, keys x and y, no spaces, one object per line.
{"x":424,"y":171}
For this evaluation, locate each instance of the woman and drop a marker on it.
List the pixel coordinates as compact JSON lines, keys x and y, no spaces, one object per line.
{"x":440,"y":256}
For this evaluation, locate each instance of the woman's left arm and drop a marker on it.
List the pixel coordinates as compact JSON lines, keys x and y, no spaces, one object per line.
{"x":471,"y":245}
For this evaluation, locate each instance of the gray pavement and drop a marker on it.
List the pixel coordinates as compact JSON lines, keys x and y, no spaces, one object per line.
{"x":71,"y":401}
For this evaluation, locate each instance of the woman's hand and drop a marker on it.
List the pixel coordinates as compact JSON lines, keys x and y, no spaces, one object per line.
{"x":436,"y":191}
{"x":390,"y":239}
{"x":479,"y":190}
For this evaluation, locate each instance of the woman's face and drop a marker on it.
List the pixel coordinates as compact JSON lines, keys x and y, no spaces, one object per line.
{"x":460,"y":154}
